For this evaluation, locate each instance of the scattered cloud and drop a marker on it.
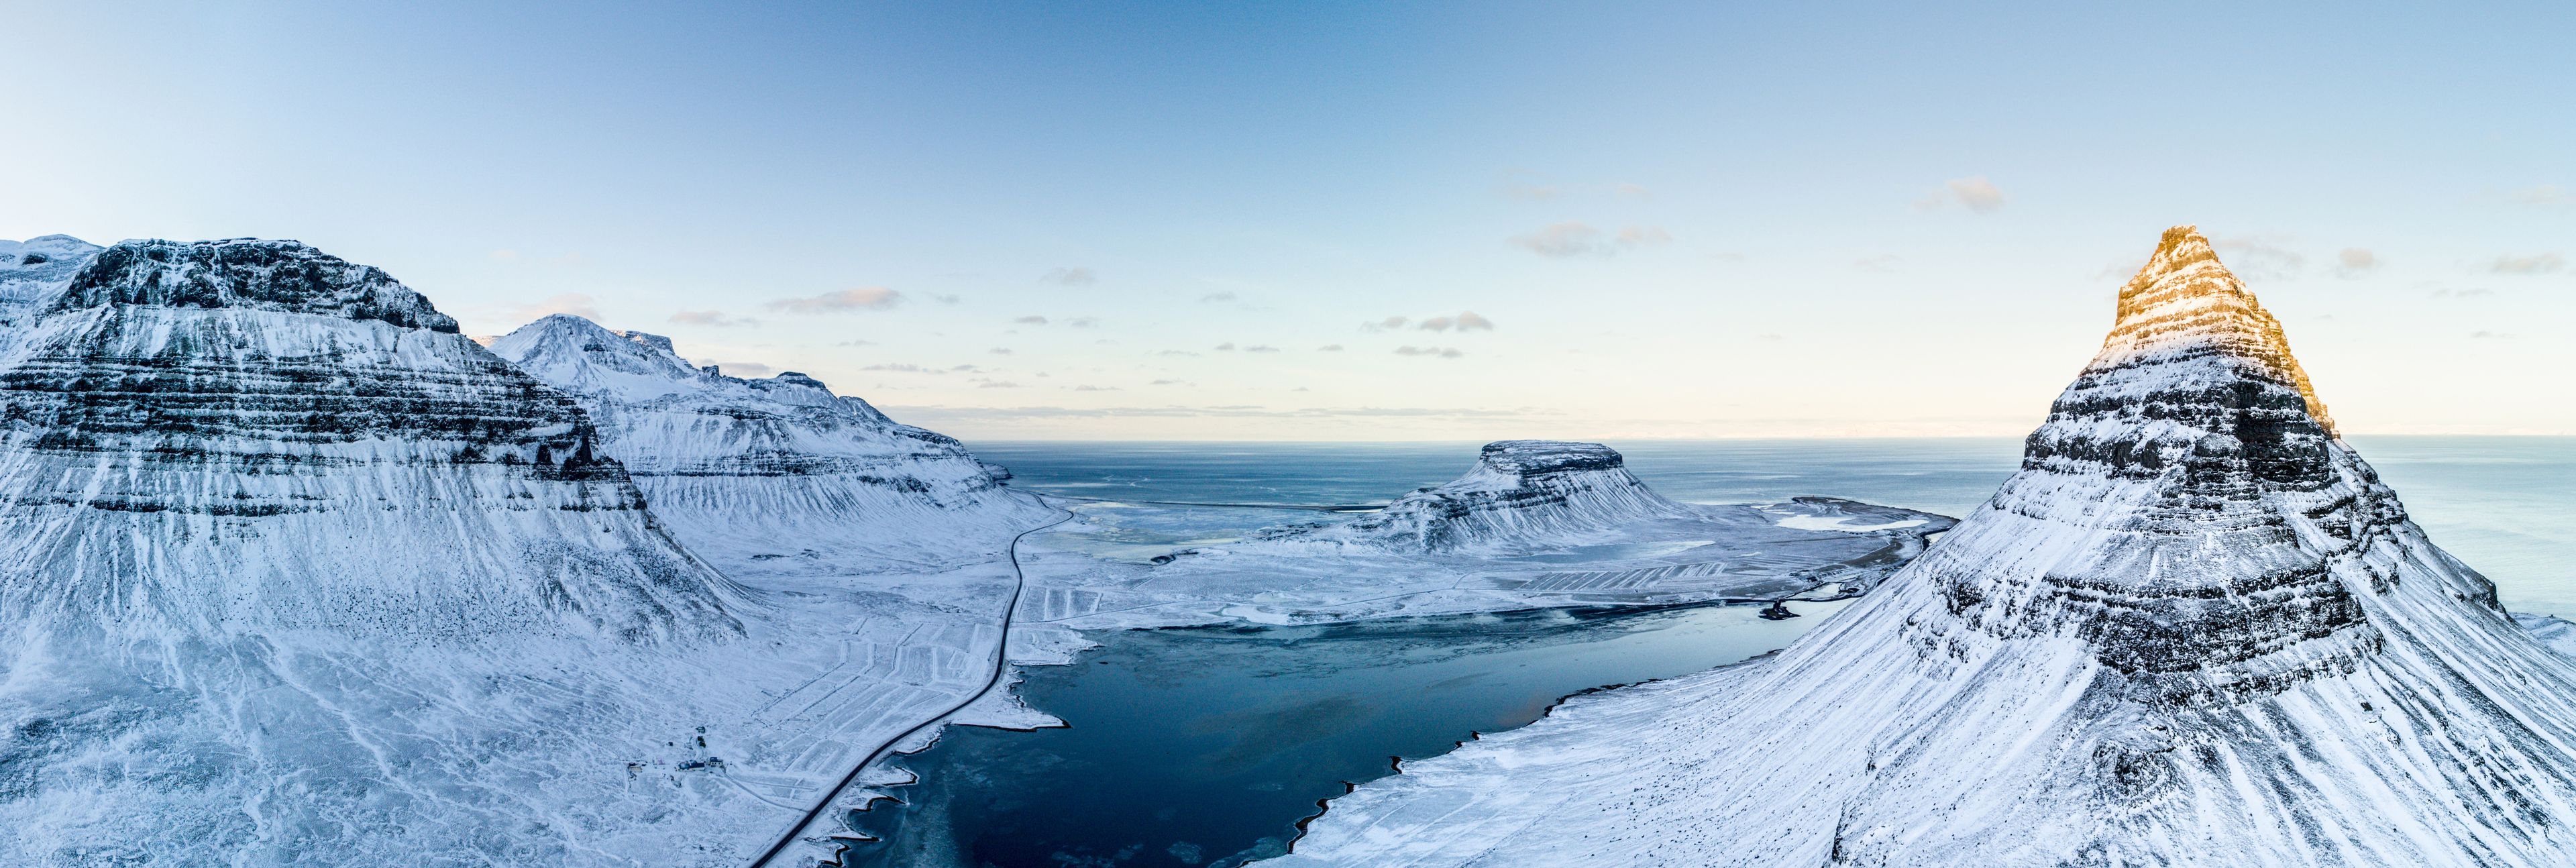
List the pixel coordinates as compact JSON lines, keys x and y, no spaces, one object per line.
{"x":1000,"y":351}
{"x":2543,"y":195}
{"x":1083,"y":322}
{"x":2354,"y":262}
{"x":947,"y":299}
{"x":1216,"y":297}
{"x":855,"y":298}
{"x":1167,"y":383}
{"x":1226,"y":347}
{"x":714,"y":318}
{"x":573,"y":303}
{"x":1174,"y":353}
{"x":1329,"y":348}
{"x":2543,"y":263}
{"x":1465,"y":321}
{"x":2488,"y":335}
{"x":1393,"y":322}
{"x":997,"y":384}
{"x":1096,"y":389}
{"x":1070,"y":277}
{"x":1977,"y":193}
{"x":2259,"y":258}
{"x":1261,"y":348}
{"x":1574,"y":238}
{"x":1030,"y":320}
{"x":1435,"y":352}
{"x":900,"y":368}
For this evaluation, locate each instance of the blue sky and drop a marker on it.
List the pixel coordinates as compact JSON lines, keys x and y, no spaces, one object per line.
{"x":1683,"y":220}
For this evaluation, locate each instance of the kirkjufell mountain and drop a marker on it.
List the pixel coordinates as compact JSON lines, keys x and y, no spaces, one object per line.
{"x":2194,"y":629}
{"x":772,"y":472}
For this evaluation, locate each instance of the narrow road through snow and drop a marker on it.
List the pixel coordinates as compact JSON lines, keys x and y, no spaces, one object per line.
{"x":1001,"y":664}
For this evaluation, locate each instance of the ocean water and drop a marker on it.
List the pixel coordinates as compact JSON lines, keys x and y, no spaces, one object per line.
{"x":2505,"y":505}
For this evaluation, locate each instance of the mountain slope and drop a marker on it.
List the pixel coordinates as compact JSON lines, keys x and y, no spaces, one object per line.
{"x":32,"y":272}
{"x":2194,"y":629}
{"x":775,"y":473}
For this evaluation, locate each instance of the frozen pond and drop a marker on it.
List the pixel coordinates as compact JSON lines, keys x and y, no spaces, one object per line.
{"x":1208,"y":746}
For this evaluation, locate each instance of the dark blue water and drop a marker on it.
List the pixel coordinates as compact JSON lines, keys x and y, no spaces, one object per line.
{"x":1206,"y":747}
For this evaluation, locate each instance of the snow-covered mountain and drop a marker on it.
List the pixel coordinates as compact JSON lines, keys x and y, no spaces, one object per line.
{"x":776,"y":469}
{"x":1520,"y":492}
{"x":2194,"y":629}
{"x":32,"y":272}
{"x":224,"y":436}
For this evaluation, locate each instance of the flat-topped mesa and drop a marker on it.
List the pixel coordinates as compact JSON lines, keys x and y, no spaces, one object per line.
{"x":244,"y":435}
{"x":1520,"y":492}
{"x":253,"y":273}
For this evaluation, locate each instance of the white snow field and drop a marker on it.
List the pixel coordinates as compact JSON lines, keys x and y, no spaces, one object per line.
{"x":2195,"y":629}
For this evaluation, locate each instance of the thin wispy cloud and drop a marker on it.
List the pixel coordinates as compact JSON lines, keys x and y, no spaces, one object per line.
{"x":855,"y":298}
{"x":1433,"y":352}
{"x":1000,"y":351}
{"x":1226,"y":347}
{"x":1977,"y":193}
{"x":2545,"y":195}
{"x":2354,"y":262}
{"x":1575,"y":238}
{"x":1465,"y":321}
{"x":2543,"y":263}
{"x":1260,"y":348}
{"x":899,"y":368}
{"x":1030,"y":320}
{"x":713,"y":318}
{"x":1879,"y":262}
{"x":1329,"y":348}
{"x":1074,"y":276}
{"x":1083,"y":322}
{"x":1216,"y":297}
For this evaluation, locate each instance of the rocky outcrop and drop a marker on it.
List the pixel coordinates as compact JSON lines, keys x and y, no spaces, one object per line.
{"x":32,"y":273}
{"x":1520,"y":492}
{"x":774,"y":471}
{"x":237,"y":436}
{"x":2194,"y":629}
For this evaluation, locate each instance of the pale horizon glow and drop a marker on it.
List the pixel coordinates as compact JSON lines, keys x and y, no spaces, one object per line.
{"x":1410,"y":222}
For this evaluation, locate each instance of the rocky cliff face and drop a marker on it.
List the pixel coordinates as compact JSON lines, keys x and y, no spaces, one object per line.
{"x":1520,"y":492}
{"x":775,"y":469}
{"x":2194,"y":629}
{"x":242,"y":435}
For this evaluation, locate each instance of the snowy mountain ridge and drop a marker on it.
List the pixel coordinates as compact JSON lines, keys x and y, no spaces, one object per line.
{"x":776,"y":466}
{"x":2194,"y":629}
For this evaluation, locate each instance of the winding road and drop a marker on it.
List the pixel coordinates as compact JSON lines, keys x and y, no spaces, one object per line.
{"x":1001,"y":665}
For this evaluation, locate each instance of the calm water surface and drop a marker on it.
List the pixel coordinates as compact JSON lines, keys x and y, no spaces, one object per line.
{"x":1206,"y":747}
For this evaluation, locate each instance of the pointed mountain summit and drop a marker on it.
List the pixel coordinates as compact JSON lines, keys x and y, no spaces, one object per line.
{"x":236,"y":436}
{"x":2194,"y":629}
{"x":771,"y":473}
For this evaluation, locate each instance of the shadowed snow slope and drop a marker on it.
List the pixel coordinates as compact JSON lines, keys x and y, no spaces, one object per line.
{"x":1521,"y":492}
{"x":2194,"y":629}
{"x":777,"y":469}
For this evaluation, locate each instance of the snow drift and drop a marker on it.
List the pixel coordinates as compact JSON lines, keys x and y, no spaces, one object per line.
{"x":2194,"y":629}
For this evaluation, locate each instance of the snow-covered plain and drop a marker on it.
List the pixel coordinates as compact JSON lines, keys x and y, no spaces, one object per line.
{"x":2195,"y":629}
